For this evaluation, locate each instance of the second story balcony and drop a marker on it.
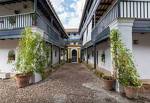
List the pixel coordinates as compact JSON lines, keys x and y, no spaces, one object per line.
{"x":125,"y":9}
{"x":16,"y":21}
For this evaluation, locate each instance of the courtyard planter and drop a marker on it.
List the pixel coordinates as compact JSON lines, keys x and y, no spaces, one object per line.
{"x":22,"y":80}
{"x":108,"y":82}
{"x":131,"y":92}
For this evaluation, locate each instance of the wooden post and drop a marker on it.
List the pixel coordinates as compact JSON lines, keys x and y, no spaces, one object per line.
{"x":94,"y":56}
{"x":59,"y":55}
{"x":87,"y":55}
{"x":51,"y":55}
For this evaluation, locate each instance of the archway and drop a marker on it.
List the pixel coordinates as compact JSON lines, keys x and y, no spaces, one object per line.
{"x":74,"y":55}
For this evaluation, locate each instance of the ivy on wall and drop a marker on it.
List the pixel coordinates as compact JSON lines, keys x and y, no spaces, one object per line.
{"x":123,"y":61}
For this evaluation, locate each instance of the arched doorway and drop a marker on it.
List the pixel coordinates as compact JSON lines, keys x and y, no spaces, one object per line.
{"x":74,"y":56}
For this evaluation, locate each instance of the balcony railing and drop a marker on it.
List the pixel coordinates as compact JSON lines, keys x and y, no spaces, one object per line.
{"x":105,"y":21}
{"x":16,"y":21}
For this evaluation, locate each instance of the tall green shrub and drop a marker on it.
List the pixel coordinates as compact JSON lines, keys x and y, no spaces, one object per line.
{"x":33,"y":53}
{"x":123,"y":61}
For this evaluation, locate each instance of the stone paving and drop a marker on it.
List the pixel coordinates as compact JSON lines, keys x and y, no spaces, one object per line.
{"x":72,"y":83}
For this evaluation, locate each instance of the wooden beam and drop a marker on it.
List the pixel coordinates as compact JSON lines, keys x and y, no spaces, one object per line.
{"x":105,"y":3}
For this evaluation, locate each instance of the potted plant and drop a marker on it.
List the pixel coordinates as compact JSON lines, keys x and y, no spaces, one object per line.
{"x":108,"y":82}
{"x":33,"y":57}
{"x":25,"y":58}
{"x":11,"y":56}
{"x":12,"y":20}
{"x":126,"y":71}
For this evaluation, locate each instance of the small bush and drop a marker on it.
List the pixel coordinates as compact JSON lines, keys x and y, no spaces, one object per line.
{"x":99,"y":74}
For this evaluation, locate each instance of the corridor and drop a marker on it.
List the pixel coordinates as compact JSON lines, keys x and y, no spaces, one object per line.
{"x":71,"y":83}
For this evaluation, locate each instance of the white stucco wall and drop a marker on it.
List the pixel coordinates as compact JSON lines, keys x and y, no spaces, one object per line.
{"x":125,"y":28}
{"x":141,"y":53}
{"x":104,"y":47}
{"x":91,"y":57}
{"x":9,"y":8}
{"x":55,"y":55}
{"x":5,"y":47}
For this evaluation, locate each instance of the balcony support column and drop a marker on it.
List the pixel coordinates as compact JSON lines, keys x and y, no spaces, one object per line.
{"x":59,"y":55}
{"x":87,"y":55}
{"x":94,"y":48}
{"x":51,"y":55}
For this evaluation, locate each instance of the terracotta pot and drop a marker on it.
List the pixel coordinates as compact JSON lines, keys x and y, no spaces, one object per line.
{"x":108,"y":84}
{"x":22,"y":80}
{"x":131,"y":92}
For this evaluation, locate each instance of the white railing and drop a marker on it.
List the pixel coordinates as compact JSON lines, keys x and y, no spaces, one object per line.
{"x":16,"y":21}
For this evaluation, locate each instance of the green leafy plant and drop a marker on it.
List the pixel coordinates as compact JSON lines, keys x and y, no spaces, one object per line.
{"x":99,"y":74}
{"x":123,"y":62}
{"x":12,"y":20}
{"x":33,"y":53}
{"x":11,"y":56}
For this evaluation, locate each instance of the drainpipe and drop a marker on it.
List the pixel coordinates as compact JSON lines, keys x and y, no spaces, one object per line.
{"x":35,"y":6}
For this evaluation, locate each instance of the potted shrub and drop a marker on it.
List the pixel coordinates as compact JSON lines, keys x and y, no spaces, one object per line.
{"x":32,"y":58}
{"x":25,"y":58}
{"x":126,"y":71}
{"x":11,"y":56}
{"x":108,"y":82}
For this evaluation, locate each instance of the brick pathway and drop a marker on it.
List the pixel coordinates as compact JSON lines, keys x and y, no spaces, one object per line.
{"x":72,"y":83}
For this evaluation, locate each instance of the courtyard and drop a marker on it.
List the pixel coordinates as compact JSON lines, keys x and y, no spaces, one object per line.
{"x":71,"y":83}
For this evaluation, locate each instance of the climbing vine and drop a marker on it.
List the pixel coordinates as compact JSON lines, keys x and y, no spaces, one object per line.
{"x":123,"y":62}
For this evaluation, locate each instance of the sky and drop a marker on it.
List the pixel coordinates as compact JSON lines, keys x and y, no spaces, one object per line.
{"x":69,"y":11}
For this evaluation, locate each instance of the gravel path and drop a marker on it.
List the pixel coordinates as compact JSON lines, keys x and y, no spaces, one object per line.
{"x":72,"y":83}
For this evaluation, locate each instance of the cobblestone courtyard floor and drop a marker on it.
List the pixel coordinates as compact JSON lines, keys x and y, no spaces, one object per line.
{"x":72,"y":83}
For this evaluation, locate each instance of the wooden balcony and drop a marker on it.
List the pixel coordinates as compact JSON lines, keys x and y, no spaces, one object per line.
{"x":16,"y":21}
{"x":103,"y":23}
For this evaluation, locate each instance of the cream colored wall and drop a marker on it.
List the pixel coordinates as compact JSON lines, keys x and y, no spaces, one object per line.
{"x":8,"y":9}
{"x":78,"y":49}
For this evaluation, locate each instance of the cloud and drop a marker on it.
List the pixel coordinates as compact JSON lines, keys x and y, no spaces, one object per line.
{"x":69,"y":11}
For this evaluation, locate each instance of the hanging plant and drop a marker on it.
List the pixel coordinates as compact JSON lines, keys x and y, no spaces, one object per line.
{"x":34,"y":19}
{"x":12,"y":20}
{"x":123,"y":62}
{"x":11,"y":56}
